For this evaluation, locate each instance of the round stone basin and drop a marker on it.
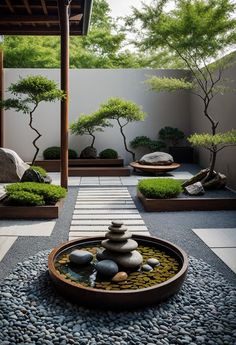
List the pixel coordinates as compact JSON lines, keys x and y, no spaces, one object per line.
{"x":139,"y":292}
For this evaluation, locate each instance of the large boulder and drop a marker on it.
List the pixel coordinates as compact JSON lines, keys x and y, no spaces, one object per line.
{"x":157,"y":158}
{"x":89,"y":153}
{"x":32,"y":175}
{"x":12,"y":167}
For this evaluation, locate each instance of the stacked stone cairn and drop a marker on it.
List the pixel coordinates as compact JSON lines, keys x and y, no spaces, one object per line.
{"x":118,"y":255}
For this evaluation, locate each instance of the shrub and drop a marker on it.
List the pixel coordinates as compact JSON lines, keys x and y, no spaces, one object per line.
{"x":160,"y":188}
{"x":23,"y":198}
{"x":108,"y":154}
{"x":171,"y":135}
{"x":54,"y":152}
{"x":40,"y":170}
{"x":143,"y":141}
{"x":50,"y":193}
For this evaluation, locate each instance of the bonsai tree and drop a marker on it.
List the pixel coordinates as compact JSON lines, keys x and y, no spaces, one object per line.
{"x":123,"y":112}
{"x":196,"y":32}
{"x":28,"y":94}
{"x":88,"y":124}
{"x":214,"y":144}
{"x":171,"y":135}
{"x":144,"y":141}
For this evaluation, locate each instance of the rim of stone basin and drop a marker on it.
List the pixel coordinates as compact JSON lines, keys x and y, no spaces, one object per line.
{"x":120,"y":299}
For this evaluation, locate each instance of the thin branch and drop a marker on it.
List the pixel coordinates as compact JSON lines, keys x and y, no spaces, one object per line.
{"x":225,"y":147}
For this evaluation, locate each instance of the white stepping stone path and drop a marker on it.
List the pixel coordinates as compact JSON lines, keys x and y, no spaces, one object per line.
{"x":96,"y":207}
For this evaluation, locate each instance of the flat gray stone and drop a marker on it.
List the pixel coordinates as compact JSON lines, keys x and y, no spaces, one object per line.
{"x":118,"y":237}
{"x":120,"y":247}
{"x":117,"y":229}
{"x":80,"y":257}
{"x":156,"y":158}
{"x":153,"y":262}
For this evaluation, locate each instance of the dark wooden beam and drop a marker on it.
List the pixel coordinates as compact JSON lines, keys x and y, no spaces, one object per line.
{"x":39,"y":30}
{"x":8,"y":2}
{"x":65,"y":33}
{"x":39,"y":19}
{"x":1,"y":98}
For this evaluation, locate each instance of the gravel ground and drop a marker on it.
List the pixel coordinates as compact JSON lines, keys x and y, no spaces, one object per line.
{"x":203,"y":312}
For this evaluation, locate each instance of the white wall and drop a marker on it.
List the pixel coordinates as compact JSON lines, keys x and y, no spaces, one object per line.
{"x":88,"y":88}
{"x":223,"y":109}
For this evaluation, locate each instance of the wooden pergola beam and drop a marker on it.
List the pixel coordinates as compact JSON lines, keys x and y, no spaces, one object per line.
{"x":65,"y":34}
{"x":35,"y":19}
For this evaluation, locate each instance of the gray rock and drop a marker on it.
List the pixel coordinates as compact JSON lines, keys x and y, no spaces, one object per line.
{"x":80,"y":257}
{"x":147,"y":268}
{"x":156,"y":158}
{"x":89,"y":153}
{"x":12,"y":167}
{"x":195,"y":189}
{"x":31,"y":175}
{"x":153,"y":262}
{"x":117,"y":223}
{"x":127,"y":260}
{"x":107,"y":268}
{"x":218,"y":182}
{"x":118,"y":237}
{"x":117,"y":229}
{"x":120,"y":247}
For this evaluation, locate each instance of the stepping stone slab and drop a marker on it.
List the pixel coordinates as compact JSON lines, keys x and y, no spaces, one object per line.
{"x":120,"y":247}
{"x":118,"y":237}
{"x":107,"y":268}
{"x":80,"y":257}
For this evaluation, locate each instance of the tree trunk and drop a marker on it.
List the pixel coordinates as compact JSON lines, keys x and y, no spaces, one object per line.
{"x":36,"y":139}
{"x":210,"y":174}
{"x":92,"y":140}
{"x":125,"y":144}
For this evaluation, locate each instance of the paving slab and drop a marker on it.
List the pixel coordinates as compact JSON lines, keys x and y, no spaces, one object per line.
{"x":104,"y":228}
{"x":105,"y":205}
{"x":122,"y":217}
{"x":26,"y":227}
{"x":217,"y":237}
{"x":106,"y":211}
{"x":228,"y":256}
{"x":5,"y":244}
{"x":104,"y":222}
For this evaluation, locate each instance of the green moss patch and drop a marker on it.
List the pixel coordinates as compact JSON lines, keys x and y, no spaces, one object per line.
{"x":17,"y":193}
{"x":108,"y":154}
{"x":40,"y":170}
{"x":160,"y":188}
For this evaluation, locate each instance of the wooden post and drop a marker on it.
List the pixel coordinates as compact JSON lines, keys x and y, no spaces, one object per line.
{"x":64,"y":19}
{"x":1,"y":98}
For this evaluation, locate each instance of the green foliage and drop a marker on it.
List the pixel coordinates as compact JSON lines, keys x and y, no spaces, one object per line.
{"x":101,"y":48}
{"x":160,"y":188}
{"x":123,"y":112}
{"x":23,"y":198}
{"x":168,"y":84}
{"x":40,"y":170}
{"x":54,"y":152}
{"x":170,"y":134}
{"x":214,"y":142}
{"x":108,"y":154}
{"x":118,"y":108}
{"x":88,"y":124}
{"x":143,"y":141}
{"x":50,"y":193}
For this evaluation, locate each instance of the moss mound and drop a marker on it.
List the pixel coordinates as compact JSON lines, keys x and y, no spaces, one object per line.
{"x":17,"y":193}
{"x":160,"y":188}
{"x":108,"y":154}
{"x":54,"y":152}
{"x":40,"y":170}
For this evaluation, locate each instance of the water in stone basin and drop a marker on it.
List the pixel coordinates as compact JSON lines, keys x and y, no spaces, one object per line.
{"x":137,"y":279}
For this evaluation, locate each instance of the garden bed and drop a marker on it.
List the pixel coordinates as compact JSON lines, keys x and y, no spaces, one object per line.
{"x":211,"y":201}
{"x":30,"y":212}
{"x":53,"y":165}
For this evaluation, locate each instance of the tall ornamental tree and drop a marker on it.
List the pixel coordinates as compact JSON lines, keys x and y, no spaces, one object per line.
{"x":123,"y":112}
{"x":28,"y":93}
{"x":88,"y":124}
{"x":197,"y":32}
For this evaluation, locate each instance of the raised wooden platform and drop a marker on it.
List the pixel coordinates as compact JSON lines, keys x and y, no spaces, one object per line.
{"x":156,"y":169}
{"x":53,"y":165}
{"x":99,"y":171}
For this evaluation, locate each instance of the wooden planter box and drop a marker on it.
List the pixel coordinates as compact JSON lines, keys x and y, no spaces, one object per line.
{"x":187,"y":204}
{"x":53,"y":165}
{"x":30,"y":212}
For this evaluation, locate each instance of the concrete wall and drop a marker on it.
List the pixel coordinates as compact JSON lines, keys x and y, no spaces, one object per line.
{"x":223,"y":109}
{"x":88,"y":88}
